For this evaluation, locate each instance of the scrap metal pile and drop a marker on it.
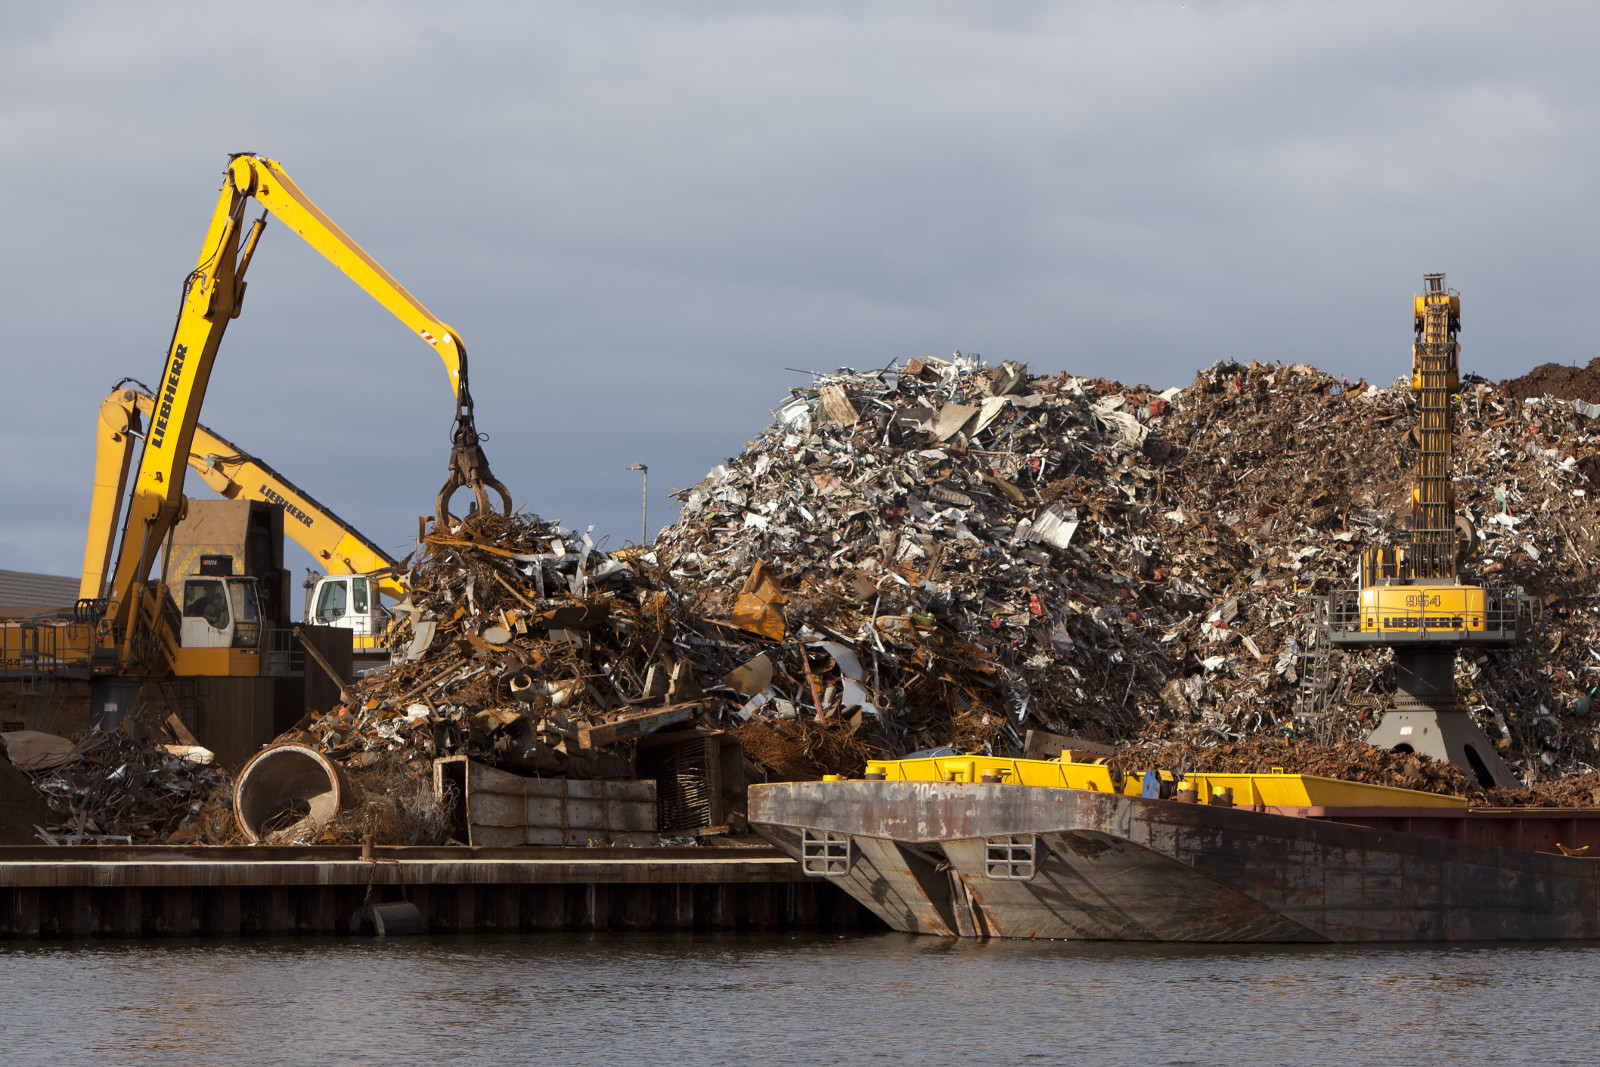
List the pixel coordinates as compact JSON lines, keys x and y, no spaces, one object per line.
{"x":1292,"y":471}
{"x":1352,"y":761}
{"x":523,"y":645}
{"x":943,"y":554}
{"x":964,"y":552}
{"x":113,"y":787}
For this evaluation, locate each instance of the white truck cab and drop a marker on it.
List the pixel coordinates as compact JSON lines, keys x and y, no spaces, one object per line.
{"x":349,"y":600}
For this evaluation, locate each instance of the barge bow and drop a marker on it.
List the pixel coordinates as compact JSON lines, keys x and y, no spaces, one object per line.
{"x":1010,"y":860}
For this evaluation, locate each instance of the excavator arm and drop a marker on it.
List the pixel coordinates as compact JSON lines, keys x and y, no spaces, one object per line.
{"x":119,"y":427}
{"x":315,"y":528}
{"x":233,"y":474}
{"x":213,"y":294}
{"x":266,"y":181}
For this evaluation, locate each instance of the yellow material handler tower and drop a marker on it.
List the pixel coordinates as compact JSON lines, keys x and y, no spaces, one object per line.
{"x":1411,"y":596}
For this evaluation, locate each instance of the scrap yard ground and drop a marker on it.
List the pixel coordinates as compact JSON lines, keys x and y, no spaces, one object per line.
{"x":936,"y":554}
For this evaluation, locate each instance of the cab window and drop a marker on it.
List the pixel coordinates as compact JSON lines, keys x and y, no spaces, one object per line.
{"x":358,"y":591}
{"x":244,"y":601}
{"x":331,"y":602}
{"x":204,"y":598}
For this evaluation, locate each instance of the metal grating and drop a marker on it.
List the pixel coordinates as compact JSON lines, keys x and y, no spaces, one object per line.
{"x":1010,"y":858}
{"x":1318,"y":677}
{"x":682,"y":774}
{"x":826,"y":853}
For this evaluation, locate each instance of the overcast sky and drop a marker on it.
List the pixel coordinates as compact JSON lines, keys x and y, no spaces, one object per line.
{"x":637,"y":216}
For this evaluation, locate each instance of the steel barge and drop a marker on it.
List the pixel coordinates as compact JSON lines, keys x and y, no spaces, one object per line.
{"x":981,"y":847}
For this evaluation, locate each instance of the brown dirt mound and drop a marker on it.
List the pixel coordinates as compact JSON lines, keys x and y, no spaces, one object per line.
{"x":1563,"y":383}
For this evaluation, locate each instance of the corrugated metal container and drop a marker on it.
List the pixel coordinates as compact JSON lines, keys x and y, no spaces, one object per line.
{"x":495,"y":809}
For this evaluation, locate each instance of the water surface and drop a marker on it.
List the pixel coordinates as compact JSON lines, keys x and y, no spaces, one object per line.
{"x":792,"y":999}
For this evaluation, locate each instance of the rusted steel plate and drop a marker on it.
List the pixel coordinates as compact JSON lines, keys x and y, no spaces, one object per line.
{"x":1091,"y":886}
{"x":1129,"y":868}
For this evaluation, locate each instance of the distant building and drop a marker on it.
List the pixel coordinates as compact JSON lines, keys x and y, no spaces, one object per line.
{"x":23,"y":594}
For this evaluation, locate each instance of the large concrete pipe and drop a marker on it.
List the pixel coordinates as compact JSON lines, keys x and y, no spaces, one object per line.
{"x":288,"y":779}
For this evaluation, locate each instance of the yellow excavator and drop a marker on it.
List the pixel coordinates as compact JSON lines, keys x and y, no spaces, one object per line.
{"x":128,"y":626}
{"x":1411,"y":596}
{"x":358,"y":571}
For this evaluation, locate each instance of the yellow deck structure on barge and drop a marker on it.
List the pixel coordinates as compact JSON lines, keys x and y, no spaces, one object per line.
{"x":1274,"y":790}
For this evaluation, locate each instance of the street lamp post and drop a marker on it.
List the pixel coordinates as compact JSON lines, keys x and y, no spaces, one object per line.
{"x":644,"y":505}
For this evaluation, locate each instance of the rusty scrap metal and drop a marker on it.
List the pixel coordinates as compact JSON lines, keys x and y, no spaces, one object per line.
{"x":115,"y":786}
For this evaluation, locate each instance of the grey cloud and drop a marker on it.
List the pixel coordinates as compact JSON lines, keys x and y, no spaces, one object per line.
{"x":637,"y":215}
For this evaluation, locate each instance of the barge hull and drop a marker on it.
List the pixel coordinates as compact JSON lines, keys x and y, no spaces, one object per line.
{"x":1105,"y":866}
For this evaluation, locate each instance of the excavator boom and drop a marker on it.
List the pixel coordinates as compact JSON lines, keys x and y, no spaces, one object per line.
{"x":266,"y":181}
{"x":234,"y":475}
{"x":1435,"y":380}
{"x":212,"y":296}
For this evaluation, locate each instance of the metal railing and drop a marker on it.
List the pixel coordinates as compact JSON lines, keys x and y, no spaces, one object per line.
{"x":44,"y":647}
{"x":1508,"y":611}
{"x":279,"y":659}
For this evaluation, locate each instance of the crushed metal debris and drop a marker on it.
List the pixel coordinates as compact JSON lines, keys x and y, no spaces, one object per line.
{"x":110,"y":788}
{"x":944,"y":554}
{"x":991,"y":550}
{"x":1352,"y":761}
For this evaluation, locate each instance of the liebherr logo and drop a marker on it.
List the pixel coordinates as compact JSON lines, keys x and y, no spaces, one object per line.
{"x":271,"y":496}
{"x":169,"y":393}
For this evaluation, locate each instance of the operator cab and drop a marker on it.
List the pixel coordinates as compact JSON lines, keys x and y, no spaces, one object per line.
{"x":349,"y":600}
{"x":220,"y":612}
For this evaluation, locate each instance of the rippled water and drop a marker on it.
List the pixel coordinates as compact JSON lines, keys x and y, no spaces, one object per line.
{"x":801,"y":999}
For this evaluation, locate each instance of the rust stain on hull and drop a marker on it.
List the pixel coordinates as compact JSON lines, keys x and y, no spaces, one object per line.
{"x":1110,"y":867}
